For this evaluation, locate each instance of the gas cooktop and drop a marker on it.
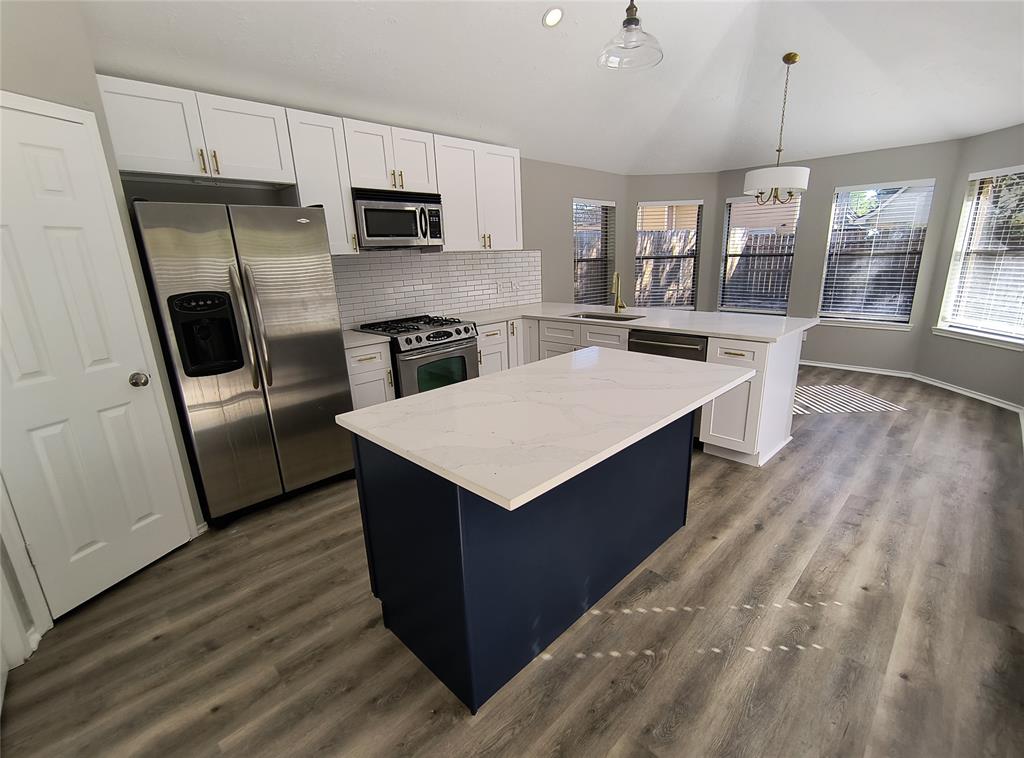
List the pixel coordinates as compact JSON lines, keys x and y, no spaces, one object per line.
{"x":417,"y":332}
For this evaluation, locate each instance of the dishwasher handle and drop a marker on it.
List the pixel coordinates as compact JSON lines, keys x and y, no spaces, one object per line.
{"x":683,"y":346}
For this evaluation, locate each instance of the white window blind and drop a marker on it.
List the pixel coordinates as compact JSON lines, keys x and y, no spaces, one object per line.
{"x":667,"y":247}
{"x":593,"y":236}
{"x":874,"y":251}
{"x":985,"y":289}
{"x":759,"y":241}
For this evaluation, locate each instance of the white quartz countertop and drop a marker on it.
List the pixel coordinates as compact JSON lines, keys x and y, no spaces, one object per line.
{"x":516,"y":434}
{"x":740,"y":326}
{"x":352,"y":338}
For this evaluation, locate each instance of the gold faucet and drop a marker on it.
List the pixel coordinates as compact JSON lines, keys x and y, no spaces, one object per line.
{"x":619,"y":305}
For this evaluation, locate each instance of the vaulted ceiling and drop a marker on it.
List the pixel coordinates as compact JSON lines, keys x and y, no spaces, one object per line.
{"x":871,"y":75}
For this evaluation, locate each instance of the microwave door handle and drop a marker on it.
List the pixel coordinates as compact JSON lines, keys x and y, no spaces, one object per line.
{"x":423,"y":222}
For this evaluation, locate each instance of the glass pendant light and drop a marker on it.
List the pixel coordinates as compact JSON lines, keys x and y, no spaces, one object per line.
{"x":778,"y":184}
{"x":632,"y":47}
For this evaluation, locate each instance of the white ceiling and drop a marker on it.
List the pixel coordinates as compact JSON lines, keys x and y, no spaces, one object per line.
{"x":871,"y":75}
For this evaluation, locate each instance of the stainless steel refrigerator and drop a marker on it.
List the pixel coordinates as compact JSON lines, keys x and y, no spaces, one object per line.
{"x":250,"y":322}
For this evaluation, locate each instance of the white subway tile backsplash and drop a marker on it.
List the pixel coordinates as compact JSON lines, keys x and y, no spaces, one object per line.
{"x":381,"y":284}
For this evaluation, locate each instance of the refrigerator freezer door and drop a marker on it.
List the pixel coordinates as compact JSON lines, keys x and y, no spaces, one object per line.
{"x":194,"y":273}
{"x":289,"y":281}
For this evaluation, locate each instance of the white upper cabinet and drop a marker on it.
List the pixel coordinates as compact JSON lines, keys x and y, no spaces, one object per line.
{"x":456,"y":181}
{"x":322,"y":175}
{"x":371,"y":155}
{"x":480,"y":190}
{"x":166,"y":130}
{"x":501,"y":206}
{"x":386,"y":157}
{"x":155,"y":129}
{"x":414,"y":160}
{"x":247,"y":140}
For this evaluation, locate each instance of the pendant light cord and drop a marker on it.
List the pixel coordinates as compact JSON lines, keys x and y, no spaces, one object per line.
{"x":782,"y":121}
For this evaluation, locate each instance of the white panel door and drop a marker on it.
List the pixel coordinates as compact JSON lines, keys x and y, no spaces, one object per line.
{"x":321,"y":174}
{"x":498,"y":189}
{"x":456,"y":181}
{"x":414,"y":160}
{"x":372,"y":387}
{"x":516,"y":343}
{"x":247,"y":140}
{"x":155,"y":129}
{"x":493,"y":358}
{"x":88,"y":459}
{"x":371,"y":155}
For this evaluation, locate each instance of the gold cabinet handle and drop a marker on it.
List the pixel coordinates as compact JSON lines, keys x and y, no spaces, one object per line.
{"x":492,"y":334}
{"x":734,"y":353}
{"x":202,"y":161}
{"x":480,"y":357}
{"x":394,"y":183}
{"x":391,"y":379}
{"x":489,"y":244}
{"x":401,"y":180}
{"x":354,"y":245}
{"x":366,"y":358}
{"x":512,"y":328}
{"x":216,"y":162}
{"x":483,"y":240}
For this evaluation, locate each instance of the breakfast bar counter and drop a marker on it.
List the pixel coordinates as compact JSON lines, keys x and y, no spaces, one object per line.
{"x":497,"y":511}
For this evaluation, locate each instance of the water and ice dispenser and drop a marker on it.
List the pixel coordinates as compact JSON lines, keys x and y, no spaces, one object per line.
{"x":206,"y":333}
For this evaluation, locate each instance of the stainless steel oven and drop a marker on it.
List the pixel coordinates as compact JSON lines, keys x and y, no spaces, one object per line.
{"x":430,"y":368}
{"x":386,"y":218}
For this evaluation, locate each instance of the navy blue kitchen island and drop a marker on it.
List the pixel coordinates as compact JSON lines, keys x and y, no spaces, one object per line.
{"x":485,"y":544}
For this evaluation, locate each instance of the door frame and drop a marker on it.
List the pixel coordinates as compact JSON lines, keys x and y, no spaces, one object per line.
{"x":26,"y":576}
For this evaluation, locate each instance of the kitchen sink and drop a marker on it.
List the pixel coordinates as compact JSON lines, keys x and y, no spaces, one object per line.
{"x":604,"y":316}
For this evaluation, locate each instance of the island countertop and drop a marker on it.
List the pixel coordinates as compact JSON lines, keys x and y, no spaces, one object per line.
{"x":514,"y":435}
{"x":723,"y":324}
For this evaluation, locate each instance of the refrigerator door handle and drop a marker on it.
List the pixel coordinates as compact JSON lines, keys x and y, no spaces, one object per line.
{"x":236,"y":292}
{"x":260,"y":328}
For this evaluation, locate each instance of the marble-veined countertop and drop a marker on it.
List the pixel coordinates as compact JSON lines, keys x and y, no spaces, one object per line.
{"x":516,"y":434}
{"x":739,"y":326}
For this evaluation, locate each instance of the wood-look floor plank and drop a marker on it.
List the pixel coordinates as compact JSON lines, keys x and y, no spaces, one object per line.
{"x":894,"y":542}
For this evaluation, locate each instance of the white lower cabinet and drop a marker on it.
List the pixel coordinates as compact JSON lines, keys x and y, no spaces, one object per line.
{"x":551,"y":349}
{"x":516,"y":343}
{"x":731,"y":420}
{"x":530,"y":350}
{"x":555,"y":334}
{"x":492,"y":347}
{"x":370,"y":375}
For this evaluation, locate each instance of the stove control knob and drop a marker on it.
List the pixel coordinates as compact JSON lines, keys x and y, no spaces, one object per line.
{"x":458,"y":331}
{"x":419,"y":338}
{"x":408,"y":341}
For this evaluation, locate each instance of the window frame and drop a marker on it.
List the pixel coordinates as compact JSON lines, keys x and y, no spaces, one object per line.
{"x":944,"y":327}
{"x":607,"y":241}
{"x":726,"y":217}
{"x":874,"y":323}
{"x":696,"y":256}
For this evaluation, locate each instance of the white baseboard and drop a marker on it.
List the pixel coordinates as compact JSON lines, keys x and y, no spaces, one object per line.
{"x":1018,"y":409}
{"x":201,"y":527}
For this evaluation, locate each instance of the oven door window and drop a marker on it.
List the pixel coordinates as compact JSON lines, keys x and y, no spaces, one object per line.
{"x":391,"y":222}
{"x":441,"y":372}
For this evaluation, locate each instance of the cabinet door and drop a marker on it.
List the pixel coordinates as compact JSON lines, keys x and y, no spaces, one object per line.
{"x":559,"y":331}
{"x":732,"y":420}
{"x":371,"y":156}
{"x":531,"y":340}
{"x":604,"y":336}
{"x":414,"y":160}
{"x":247,"y":140}
{"x":516,"y":343}
{"x":371,"y":388}
{"x":154,"y":129}
{"x":457,"y":182}
{"x":493,"y":358}
{"x":498,"y":191}
{"x":549,"y":349}
{"x":321,"y":174}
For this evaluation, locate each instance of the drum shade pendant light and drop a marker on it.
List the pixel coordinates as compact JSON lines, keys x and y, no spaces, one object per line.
{"x":778,"y":184}
{"x":632,"y":47}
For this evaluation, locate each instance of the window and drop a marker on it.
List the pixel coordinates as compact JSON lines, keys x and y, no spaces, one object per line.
{"x":874,"y":251}
{"x":985,"y":289}
{"x":667,"y":246}
{"x":593,"y":238}
{"x":759,"y":242}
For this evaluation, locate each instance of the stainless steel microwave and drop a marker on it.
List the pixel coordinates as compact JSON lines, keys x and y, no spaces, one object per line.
{"x":385,"y":218}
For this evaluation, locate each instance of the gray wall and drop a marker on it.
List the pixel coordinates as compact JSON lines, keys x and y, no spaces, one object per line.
{"x":45,"y":53}
{"x":999,"y":372}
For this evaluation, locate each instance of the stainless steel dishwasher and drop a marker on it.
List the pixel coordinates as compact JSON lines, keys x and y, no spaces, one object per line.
{"x":685,"y":346}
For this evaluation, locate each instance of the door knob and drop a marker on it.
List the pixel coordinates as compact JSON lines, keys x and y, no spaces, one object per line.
{"x":138,"y":379}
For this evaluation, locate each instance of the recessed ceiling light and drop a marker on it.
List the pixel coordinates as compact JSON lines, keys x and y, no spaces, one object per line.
{"x":551,"y":17}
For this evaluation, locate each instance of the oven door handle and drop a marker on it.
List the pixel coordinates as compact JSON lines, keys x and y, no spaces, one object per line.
{"x":441,"y":350}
